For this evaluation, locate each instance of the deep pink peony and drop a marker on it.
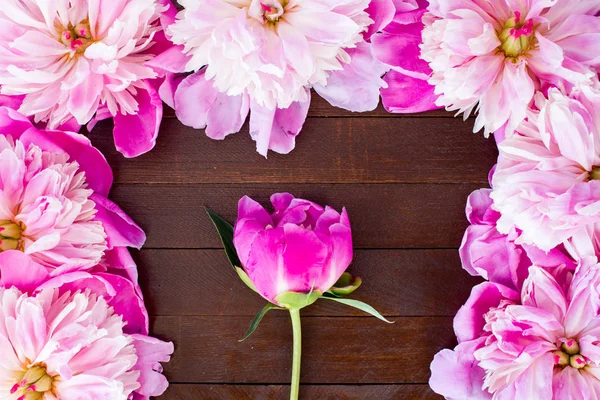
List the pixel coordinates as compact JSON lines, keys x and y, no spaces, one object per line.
{"x":53,"y":205}
{"x":497,"y":257}
{"x":546,"y":181}
{"x":541,"y":344}
{"x":263,"y":57}
{"x":69,"y":62}
{"x":301,"y":247}
{"x":398,"y":47}
{"x":73,"y":336}
{"x":491,"y":56}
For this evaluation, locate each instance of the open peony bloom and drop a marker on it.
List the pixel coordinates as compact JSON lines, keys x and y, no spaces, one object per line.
{"x":69,"y":62}
{"x":546,"y":181}
{"x":497,"y":257}
{"x":264,"y":56}
{"x":53,"y":205}
{"x":74,"y":336}
{"x":301,"y":248}
{"x":541,"y":344}
{"x":491,"y":56}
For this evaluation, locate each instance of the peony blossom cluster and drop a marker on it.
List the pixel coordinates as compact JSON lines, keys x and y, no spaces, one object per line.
{"x":535,"y":238}
{"x":487,"y":57}
{"x":263,"y":57}
{"x":72,"y":318}
{"x":67,"y":63}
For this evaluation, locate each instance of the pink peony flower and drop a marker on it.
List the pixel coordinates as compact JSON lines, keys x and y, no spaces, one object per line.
{"x":69,"y":62}
{"x":76,"y":335}
{"x":491,"y":56}
{"x":546,"y":181}
{"x":53,"y":204}
{"x":497,"y":257}
{"x":265,"y":56}
{"x":398,"y":47}
{"x":542,"y":344}
{"x":300,"y":248}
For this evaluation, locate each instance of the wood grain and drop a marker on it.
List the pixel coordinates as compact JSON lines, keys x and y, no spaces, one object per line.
{"x":336,"y":350}
{"x":395,"y":282}
{"x":382,"y":216}
{"x":338,"y":150}
{"x":281,"y":392}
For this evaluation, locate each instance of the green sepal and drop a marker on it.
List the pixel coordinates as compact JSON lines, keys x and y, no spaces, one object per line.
{"x":258,"y":318}
{"x":225,"y":231}
{"x":293,"y":300}
{"x":245,"y":278}
{"x":345,"y":285}
{"x":359,"y":305}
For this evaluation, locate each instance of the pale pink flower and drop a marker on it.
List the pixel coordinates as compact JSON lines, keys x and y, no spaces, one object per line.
{"x":70,"y":62}
{"x":73,"y":336}
{"x":540,"y":344}
{"x":52,"y":198}
{"x":546,"y":181}
{"x":265,"y":56}
{"x":491,"y":56}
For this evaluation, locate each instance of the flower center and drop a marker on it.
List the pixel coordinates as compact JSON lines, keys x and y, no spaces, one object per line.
{"x":569,"y":355}
{"x":10,"y":235}
{"x":77,"y":38}
{"x":595,"y":173}
{"x":517,"y":36}
{"x":273,"y":9}
{"x":33,"y":383}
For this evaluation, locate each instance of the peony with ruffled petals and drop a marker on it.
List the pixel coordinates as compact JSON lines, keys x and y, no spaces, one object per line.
{"x":539,"y":344}
{"x":69,"y":62}
{"x":547,"y":179}
{"x":492,"y":56}
{"x":264,"y":56}
{"x":74,"y":336}
{"x":53,"y":204}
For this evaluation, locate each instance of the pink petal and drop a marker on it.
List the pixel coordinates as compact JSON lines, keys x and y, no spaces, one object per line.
{"x":135,"y":134}
{"x":356,"y":87}
{"x":277,"y":129}
{"x":407,"y":95}
{"x":382,"y":13}
{"x":151,"y":352}
{"x":20,"y":271}
{"x":120,"y":229}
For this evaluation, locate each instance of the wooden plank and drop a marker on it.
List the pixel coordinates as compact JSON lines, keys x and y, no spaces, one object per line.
{"x":395,"y":282}
{"x":337,"y":150}
{"x":383,"y":216}
{"x":280,"y":392}
{"x":335,"y":350}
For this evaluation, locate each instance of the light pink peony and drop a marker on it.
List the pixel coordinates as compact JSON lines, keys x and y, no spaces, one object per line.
{"x":541,"y":344}
{"x":53,"y":205}
{"x":74,"y":336}
{"x":300,"y":248}
{"x":497,"y":257}
{"x":546,"y":181}
{"x":265,"y":56}
{"x":491,"y":56}
{"x":69,"y":62}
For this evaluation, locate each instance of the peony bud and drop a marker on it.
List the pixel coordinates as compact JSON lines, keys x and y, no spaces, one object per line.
{"x":295,"y":254}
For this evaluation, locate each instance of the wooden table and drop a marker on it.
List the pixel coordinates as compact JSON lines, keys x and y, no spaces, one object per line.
{"x":404,"y":180}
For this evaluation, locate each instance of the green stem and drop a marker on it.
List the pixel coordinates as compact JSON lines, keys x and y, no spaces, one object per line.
{"x":296,"y":328}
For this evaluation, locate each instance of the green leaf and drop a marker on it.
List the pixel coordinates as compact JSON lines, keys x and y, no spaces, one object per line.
{"x":225,"y":231}
{"x":345,"y":285}
{"x":245,"y":278}
{"x":359,"y":305}
{"x":293,"y":300}
{"x":258,"y":318}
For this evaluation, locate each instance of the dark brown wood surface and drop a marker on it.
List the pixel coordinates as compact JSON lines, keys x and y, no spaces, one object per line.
{"x":404,"y":181}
